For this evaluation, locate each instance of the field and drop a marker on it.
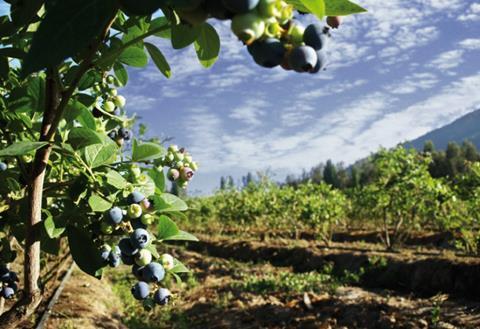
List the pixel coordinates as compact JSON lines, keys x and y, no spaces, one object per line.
{"x":243,"y":280}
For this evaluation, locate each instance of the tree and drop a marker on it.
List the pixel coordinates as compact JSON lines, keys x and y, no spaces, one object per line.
{"x":330,"y":174}
{"x":63,"y":126}
{"x":428,"y":147}
{"x":223,"y":183}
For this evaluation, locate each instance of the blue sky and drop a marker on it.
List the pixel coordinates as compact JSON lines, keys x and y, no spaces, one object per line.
{"x":395,"y":73}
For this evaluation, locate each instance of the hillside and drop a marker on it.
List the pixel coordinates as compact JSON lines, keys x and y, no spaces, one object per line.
{"x":464,"y":128}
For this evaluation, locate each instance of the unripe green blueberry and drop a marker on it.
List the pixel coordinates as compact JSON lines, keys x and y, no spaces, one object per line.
{"x":170,"y":157}
{"x":134,"y":211}
{"x":109,"y":106}
{"x":143,"y":257}
{"x":110,"y":79}
{"x":106,"y":228}
{"x":296,"y":34}
{"x":167,"y":261}
{"x":179,"y":164}
{"x":97,"y":88}
{"x":148,"y":304}
{"x":194,"y":166}
{"x":286,"y":14}
{"x":248,"y":27}
{"x":267,"y":8}
{"x":173,"y":174}
{"x":120,"y":101}
{"x":273,"y":28}
{"x":178,"y":156}
{"x":173,"y":148}
{"x":147,"y":219}
{"x":113,"y":92}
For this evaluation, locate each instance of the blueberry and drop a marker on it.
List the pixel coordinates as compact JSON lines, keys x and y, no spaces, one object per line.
{"x":162,"y":296}
{"x":137,"y":223}
{"x":105,"y":254}
{"x":321,"y":63}
{"x":3,"y":166}
{"x":303,"y":59}
{"x":115,"y":215}
{"x":217,"y":10}
{"x":97,"y":113}
{"x":186,"y":173}
{"x":141,"y":290}
{"x":315,"y":36}
{"x":14,"y":286}
{"x":127,"y":260}
{"x":113,"y":260}
{"x":240,"y":6}
{"x":7,"y":292}
{"x":134,"y":211}
{"x":137,"y":271}
{"x":153,"y":272}
{"x":139,"y":238}
{"x":126,"y":247}
{"x":267,"y":53}
{"x":334,"y":21}
{"x":167,"y":261}
{"x":125,"y":133}
{"x":247,"y":27}
{"x":4,"y":273}
{"x":13,"y":277}
{"x":135,"y":197}
{"x":112,"y":134}
{"x":143,"y":258}
{"x":173,"y":174}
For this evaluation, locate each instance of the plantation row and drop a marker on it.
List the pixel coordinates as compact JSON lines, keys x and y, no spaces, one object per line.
{"x":400,"y":199}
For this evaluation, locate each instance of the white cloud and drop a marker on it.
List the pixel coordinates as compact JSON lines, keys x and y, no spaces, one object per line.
{"x":413,"y":83}
{"x":472,"y":14}
{"x":251,"y":112}
{"x":470,"y":44}
{"x":447,"y":60}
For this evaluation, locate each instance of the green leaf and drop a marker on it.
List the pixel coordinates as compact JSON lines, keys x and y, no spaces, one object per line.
{"x":68,"y":28}
{"x":52,"y":230}
{"x":98,"y":204}
{"x":159,"y":59}
{"x":158,"y":177}
{"x":316,"y":7}
{"x":178,"y":267}
{"x":160,"y":23}
{"x":147,"y":151}
{"x":207,"y":45}
{"x":121,"y":73}
{"x":183,"y":236}
{"x":99,"y":154}
{"x":80,"y":137}
{"x":342,"y":8}
{"x":133,"y":56}
{"x":183,"y":35}
{"x":116,"y":180}
{"x":151,"y":247}
{"x":166,"y":228}
{"x":169,"y":203}
{"x":21,"y":148}
{"x":84,"y":251}
{"x":76,"y":110}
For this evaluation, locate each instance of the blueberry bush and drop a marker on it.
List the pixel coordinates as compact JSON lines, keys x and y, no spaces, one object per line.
{"x":72,"y":168}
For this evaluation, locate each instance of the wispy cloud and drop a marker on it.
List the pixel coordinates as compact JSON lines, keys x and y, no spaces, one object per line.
{"x":472,"y":14}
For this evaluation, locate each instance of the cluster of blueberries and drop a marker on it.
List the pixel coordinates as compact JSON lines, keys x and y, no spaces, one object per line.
{"x":9,"y":281}
{"x":181,"y":165}
{"x":120,"y":135}
{"x":112,"y":101}
{"x":134,"y":249}
{"x":268,"y":29}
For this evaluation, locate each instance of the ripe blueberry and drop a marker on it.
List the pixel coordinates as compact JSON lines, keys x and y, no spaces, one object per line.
{"x":137,"y":223}
{"x":267,"y":53}
{"x":115,"y":215}
{"x":139,"y":238}
{"x":321,"y":63}
{"x":137,"y":271}
{"x":125,"y":133}
{"x":127,"y":260}
{"x":97,"y":113}
{"x":141,"y":290}
{"x":303,"y":59}
{"x":162,"y":296}
{"x":240,"y":6}
{"x":126,"y":247}
{"x":135,"y":197}
{"x":113,"y":134}
{"x":3,"y":166}
{"x":113,"y":260}
{"x":8,"y":292}
{"x":153,"y":272}
{"x":315,"y":36}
